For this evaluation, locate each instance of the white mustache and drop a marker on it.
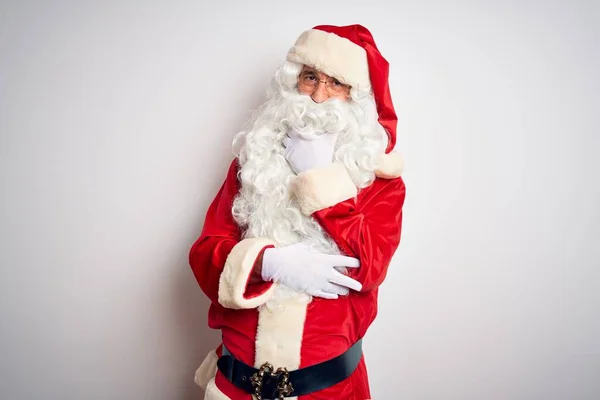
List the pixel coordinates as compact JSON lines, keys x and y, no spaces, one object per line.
{"x":310,"y":119}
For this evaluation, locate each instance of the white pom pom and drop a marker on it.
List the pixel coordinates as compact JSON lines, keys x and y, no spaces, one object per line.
{"x":389,"y":166}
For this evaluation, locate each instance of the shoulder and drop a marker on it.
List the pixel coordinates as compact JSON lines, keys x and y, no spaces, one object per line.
{"x":234,"y":167}
{"x":233,"y":171}
{"x":231,"y":185}
{"x":382,"y":186}
{"x":386,"y":193}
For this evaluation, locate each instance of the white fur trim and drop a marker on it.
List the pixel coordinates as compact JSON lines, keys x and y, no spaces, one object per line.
{"x":333,"y":55}
{"x":213,"y":392}
{"x":319,"y":188}
{"x":236,"y":272}
{"x":207,"y":370}
{"x":279,"y":334}
{"x":389,"y":166}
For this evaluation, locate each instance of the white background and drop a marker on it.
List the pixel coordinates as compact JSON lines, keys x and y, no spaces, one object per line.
{"x":116,"y":121}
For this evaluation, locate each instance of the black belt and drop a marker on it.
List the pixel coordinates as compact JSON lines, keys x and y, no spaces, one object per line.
{"x":268,"y":383}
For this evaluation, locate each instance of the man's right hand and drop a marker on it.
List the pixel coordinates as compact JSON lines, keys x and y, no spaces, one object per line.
{"x":304,"y":154}
{"x":305,"y":270}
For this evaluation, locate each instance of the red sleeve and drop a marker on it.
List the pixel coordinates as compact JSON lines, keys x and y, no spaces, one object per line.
{"x":368,"y":227}
{"x":220,"y":248}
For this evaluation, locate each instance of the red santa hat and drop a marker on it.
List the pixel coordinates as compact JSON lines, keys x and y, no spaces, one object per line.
{"x":349,"y":54}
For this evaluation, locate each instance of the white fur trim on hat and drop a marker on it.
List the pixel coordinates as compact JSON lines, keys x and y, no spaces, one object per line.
{"x":237,"y":270}
{"x":389,"y":166}
{"x":333,"y":55}
{"x":319,"y":188}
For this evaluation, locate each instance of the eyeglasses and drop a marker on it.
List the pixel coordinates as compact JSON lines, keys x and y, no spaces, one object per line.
{"x":308,"y":81}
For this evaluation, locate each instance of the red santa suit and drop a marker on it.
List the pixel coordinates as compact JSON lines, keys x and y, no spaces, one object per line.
{"x":365,"y":224}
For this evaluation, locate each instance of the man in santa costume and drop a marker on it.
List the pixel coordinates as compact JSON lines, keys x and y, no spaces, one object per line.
{"x":299,"y":237}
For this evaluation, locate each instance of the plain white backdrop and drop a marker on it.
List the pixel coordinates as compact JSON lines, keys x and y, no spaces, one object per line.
{"x":116,"y":120}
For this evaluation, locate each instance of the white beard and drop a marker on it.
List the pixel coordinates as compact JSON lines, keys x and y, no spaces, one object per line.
{"x":263,"y":208}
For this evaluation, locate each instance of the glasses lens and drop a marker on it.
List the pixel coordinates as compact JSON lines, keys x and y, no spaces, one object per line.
{"x":333,"y":88}
{"x":308,"y":79}
{"x":336,"y":87}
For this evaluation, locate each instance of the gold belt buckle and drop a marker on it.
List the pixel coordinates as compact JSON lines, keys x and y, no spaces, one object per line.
{"x":284,"y":387}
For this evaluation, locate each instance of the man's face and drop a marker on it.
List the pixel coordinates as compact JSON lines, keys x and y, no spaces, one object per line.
{"x":320,"y":86}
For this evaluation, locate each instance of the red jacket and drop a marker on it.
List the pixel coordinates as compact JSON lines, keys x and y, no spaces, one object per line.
{"x":365,"y":224}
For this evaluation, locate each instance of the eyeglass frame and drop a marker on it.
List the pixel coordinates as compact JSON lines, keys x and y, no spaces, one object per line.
{"x":345,"y":89}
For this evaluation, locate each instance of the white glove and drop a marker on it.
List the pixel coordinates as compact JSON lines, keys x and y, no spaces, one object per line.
{"x":305,"y":270}
{"x":304,"y":154}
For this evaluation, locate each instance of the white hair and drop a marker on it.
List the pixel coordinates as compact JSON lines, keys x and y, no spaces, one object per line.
{"x":263,"y":208}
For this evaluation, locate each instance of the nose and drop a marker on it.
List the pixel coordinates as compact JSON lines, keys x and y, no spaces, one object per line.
{"x":320,"y":94}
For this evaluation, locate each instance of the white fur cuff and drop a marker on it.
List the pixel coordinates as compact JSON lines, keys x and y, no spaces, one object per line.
{"x":235,"y":275}
{"x":320,"y":188}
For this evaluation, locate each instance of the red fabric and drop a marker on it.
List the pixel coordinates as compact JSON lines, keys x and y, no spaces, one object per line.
{"x":367,"y":227}
{"x":257,"y":288}
{"x":219,"y":235}
{"x":378,"y":73}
